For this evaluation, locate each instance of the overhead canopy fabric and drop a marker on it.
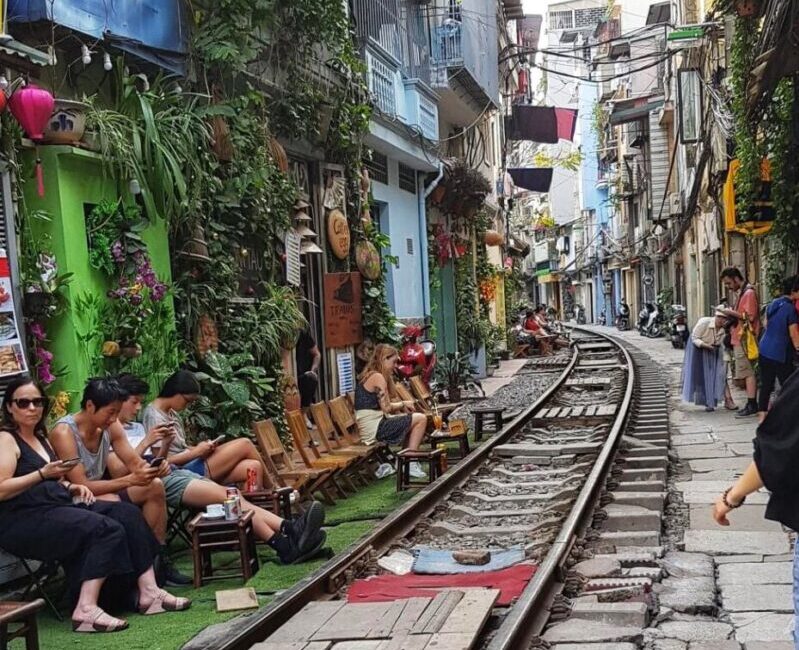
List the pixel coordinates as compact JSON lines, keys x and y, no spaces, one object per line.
{"x":544,"y":124}
{"x":155,"y":30}
{"x":533,"y":179}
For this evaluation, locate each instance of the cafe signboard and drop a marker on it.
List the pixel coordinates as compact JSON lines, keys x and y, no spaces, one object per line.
{"x":343,"y":310}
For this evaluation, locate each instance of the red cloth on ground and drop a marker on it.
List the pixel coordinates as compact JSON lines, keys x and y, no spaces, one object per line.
{"x":385,"y":588}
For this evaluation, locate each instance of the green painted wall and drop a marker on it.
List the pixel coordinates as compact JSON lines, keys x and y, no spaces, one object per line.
{"x":73,"y":179}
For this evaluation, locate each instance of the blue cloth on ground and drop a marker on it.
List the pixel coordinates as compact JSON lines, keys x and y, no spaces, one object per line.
{"x":436,"y":561}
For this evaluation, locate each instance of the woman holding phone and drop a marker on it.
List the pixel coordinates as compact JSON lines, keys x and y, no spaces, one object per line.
{"x":223,"y":462}
{"x":45,"y":517}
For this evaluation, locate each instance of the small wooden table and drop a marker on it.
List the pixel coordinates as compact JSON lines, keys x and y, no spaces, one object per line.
{"x":213,"y":535}
{"x":485,"y":415}
{"x":25,"y":614}
{"x":407,"y":456}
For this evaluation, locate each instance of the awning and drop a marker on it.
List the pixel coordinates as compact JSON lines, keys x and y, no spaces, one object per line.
{"x":15,"y":50}
{"x":533,"y":179}
{"x":631,"y":110}
{"x":549,"y":278}
{"x":544,"y":124}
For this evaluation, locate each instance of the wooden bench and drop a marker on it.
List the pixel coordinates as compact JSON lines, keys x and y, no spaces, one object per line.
{"x":210,"y":536}
{"x":24,"y":614}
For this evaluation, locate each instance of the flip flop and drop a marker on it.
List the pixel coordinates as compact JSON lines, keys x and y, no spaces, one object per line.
{"x":159,"y":605}
{"x":90,"y":626}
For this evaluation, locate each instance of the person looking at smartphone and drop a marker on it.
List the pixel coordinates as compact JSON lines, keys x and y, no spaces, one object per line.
{"x":294,"y":540}
{"x":224,"y":463}
{"x":46,"y":517}
{"x":90,"y":434}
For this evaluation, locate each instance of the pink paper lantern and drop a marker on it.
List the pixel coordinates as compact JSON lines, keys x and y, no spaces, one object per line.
{"x":32,"y":107}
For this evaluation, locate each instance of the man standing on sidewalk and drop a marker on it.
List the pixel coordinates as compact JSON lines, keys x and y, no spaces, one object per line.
{"x":746,"y":308}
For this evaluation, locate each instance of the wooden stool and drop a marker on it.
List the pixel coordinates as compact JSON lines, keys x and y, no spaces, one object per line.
{"x":24,"y":614}
{"x":404,"y":460}
{"x":487,"y":415}
{"x":211,"y":535}
{"x":462,"y":440}
{"x":276,"y":501}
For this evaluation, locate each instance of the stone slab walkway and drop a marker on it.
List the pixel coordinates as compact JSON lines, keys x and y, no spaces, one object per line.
{"x":753,"y":555}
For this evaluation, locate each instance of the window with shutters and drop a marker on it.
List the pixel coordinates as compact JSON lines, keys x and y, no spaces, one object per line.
{"x":378,"y":167}
{"x":407,"y":178}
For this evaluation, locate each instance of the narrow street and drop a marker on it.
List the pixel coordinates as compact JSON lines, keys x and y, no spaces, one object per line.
{"x":752,"y":577}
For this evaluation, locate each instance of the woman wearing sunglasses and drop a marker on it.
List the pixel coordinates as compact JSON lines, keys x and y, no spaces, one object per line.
{"x":44,"y":517}
{"x":224,"y":463}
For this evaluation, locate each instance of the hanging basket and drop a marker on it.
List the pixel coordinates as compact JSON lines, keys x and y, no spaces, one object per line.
{"x":291,"y":395}
{"x":278,"y":154}
{"x":196,"y":248}
{"x":222,"y":143}
{"x":493,"y":238}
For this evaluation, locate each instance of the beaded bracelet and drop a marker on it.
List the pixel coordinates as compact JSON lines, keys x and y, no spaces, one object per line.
{"x":41,"y":475}
{"x":727,"y":503}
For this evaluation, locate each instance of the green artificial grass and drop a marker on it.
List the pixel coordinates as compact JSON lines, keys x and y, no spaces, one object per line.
{"x":349,"y":520}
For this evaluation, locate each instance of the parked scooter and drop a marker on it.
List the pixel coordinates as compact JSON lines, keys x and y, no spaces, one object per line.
{"x":678,"y":327}
{"x":650,"y":320}
{"x":416,"y":357}
{"x":623,"y":319}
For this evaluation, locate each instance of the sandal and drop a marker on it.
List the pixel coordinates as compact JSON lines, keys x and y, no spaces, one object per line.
{"x":91,"y":625}
{"x":730,"y":406}
{"x":160,"y":604}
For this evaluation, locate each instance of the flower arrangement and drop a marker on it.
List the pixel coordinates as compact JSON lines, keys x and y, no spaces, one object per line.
{"x":448,"y":246}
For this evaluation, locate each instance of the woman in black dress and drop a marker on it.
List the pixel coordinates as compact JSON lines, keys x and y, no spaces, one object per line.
{"x":44,"y":517}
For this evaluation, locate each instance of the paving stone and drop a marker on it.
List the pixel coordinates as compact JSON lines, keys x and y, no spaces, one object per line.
{"x":696,"y":498}
{"x":581,"y":631}
{"x":696,"y":630}
{"x":626,"y":614}
{"x":631,"y":538}
{"x":710,"y":464}
{"x":769,"y":645}
{"x":594,"y":646}
{"x":649,"y":500}
{"x":758,"y":626}
{"x":657,"y":551}
{"x":695,"y":452}
{"x":683,"y":439}
{"x":714,"y":645}
{"x":630,"y":518}
{"x":679,"y":564}
{"x":669,"y":644}
{"x":756,"y":573}
{"x":689,"y":595}
{"x":757,"y":598}
{"x":655,"y":474}
{"x":598,"y":568}
{"x":736,"y":559}
{"x":782,"y":557}
{"x":747,"y":517}
{"x":731,"y":542}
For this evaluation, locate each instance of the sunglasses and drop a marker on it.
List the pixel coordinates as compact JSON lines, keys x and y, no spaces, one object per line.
{"x":26,"y":403}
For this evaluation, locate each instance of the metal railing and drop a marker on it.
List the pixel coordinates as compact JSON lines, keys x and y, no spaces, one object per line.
{"x":448,"y":44}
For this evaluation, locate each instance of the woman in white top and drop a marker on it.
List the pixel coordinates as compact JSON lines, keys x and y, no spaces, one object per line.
{"x":704,"y":380}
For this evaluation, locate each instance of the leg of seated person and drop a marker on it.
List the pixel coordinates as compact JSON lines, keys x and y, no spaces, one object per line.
{"x":418,"y":429}
{"x":229,"y":462}
{"x":152,"y":501}
{"x":199,"y":494}
{"x":116,"y":468}
{"x":87,"y":611}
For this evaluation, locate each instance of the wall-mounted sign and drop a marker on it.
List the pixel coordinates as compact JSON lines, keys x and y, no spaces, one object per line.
{"x":342,"y":309}
{"x":292,"y":242}
{"x":368,"y":260}
{"x":338,"y":234}
{"x":12,"y":359}
{"x":252,"y":271}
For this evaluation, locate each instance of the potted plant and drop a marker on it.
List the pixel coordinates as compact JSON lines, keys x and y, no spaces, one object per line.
{"x":67,"y":123}
{"x":454,"y":371}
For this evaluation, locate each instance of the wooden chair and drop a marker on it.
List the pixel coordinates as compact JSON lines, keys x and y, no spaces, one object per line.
{"x":343,"y":414}
{"x":22,"y":615}
{"x":308,"y":450}
{"x":281,"y":464}
{"x":425,"y":397}
{"x":441,"y":438}
{"x":332,"y":442}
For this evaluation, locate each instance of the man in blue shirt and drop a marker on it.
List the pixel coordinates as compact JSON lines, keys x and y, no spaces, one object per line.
{"x":779,"y":342}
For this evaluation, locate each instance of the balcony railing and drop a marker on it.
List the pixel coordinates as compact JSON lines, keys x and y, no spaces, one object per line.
{"x":448,"y":46}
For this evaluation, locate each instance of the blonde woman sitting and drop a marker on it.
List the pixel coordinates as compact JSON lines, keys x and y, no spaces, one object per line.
{"x":380,"y":414}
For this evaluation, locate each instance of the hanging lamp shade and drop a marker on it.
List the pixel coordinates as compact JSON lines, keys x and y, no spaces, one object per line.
{"x":302,"y":216}
{"x":305,"y":231}
{"x":309,"y":247}
{"x":3,"y":101}
{"x":32,"y":107}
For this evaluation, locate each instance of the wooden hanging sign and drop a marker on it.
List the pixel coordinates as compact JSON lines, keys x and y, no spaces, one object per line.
{"x":338,"y":234}
{"x":368,"y":260}
{"x":343,"y":309}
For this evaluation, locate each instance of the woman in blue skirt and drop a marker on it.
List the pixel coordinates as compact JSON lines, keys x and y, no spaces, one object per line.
{"x":704,"y":375}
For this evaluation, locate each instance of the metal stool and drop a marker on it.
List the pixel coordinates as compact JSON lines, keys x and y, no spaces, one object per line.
{"x":209,"y":536}
{"x":404,"y":460}
{"x":487,"y":415}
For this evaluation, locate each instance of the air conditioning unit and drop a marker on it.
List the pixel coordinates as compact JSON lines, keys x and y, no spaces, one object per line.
{"x":675,"y":204}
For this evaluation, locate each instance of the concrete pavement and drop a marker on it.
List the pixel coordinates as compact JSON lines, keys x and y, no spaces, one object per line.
{"x":753,"y":556}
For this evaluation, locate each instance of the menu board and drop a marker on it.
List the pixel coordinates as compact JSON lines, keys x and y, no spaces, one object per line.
{"x":12,"y":358}
{"x":342,"y":309}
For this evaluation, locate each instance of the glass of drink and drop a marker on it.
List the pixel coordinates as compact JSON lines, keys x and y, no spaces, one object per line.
{"x":438,"y":422}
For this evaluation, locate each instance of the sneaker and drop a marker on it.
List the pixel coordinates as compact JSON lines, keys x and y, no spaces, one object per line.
{"x":167,"y":574}
{"x":416,"y":471}
{"x":385,"y":469}
{"x":289,"y":553}
{"x":746,"y":411}
{"x":302,"y":530}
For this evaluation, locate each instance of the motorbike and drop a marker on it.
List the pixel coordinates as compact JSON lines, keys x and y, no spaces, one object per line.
{"x":650,"y":320}
{"x":623,"y":319}
{"x":678,"y":327}
{"x":416,"y":357}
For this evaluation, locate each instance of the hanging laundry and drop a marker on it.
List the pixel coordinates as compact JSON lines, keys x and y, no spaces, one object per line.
{"x":544,"y":124}
{"x":533,"y":179}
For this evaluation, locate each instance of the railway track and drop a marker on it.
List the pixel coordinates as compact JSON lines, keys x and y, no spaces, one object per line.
{"x":541,"y":484}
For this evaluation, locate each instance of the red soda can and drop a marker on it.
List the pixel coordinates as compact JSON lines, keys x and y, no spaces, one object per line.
{"x":232,"y":492}
{"x":252,"y":480}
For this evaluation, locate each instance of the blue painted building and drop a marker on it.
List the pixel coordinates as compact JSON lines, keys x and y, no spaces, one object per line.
{"x":395,"y":40}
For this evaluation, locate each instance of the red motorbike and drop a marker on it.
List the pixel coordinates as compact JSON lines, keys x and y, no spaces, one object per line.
{"x":416,"y":357}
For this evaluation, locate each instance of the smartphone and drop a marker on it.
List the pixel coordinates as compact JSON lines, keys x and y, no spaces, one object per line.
{"x":71,"y":462}
{"x":218,"y":439}
{"x":157,"y":461}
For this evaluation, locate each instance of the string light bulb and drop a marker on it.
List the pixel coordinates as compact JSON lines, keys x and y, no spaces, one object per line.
{"x":107,"y":65}
{"x":85,"y":55}
{"x":3,"y":82}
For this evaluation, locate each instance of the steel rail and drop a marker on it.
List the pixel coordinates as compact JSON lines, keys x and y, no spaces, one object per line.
{"x":527,"y":618}
{"x":323,"y":583}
